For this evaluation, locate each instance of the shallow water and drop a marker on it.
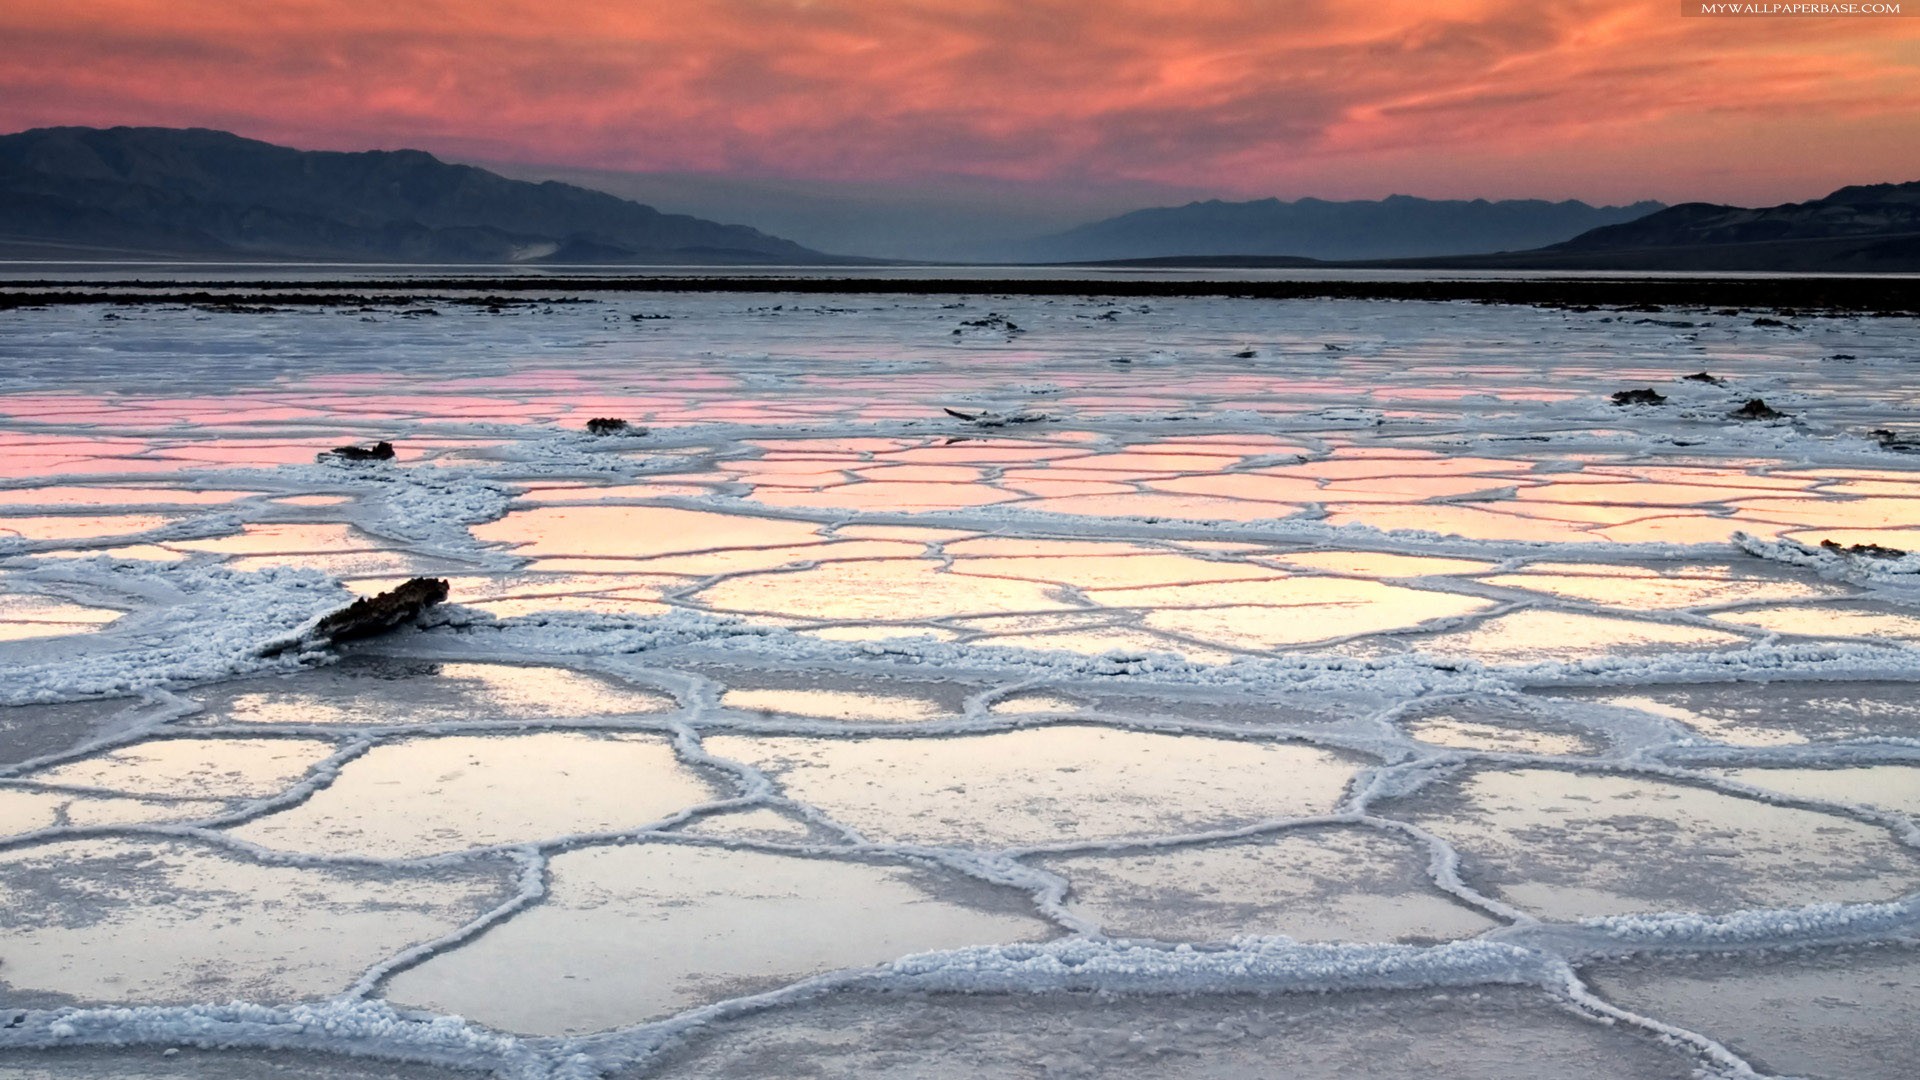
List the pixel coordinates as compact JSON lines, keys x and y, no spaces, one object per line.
{"x":816,"y":729}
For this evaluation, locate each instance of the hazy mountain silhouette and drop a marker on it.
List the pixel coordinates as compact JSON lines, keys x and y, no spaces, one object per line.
{"x":1399,"y":226}
{"x":204,"y":193}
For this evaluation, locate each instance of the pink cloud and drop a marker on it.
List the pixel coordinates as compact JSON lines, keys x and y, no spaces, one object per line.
{"x":1481,"y":96}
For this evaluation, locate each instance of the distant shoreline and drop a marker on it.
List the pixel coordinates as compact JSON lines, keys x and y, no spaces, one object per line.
{"x":1890,"y":296}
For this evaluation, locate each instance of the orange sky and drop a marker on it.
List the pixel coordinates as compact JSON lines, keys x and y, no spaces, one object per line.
{"x":1598,"y":99}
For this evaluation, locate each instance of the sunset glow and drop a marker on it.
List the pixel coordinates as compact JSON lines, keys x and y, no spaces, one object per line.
{"x":1596,"y":100}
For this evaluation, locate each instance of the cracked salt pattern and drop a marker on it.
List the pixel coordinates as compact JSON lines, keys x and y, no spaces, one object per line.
{"x":817,"y":732}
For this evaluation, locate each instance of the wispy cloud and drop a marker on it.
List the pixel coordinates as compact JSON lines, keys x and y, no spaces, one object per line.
{"x":1256,"y":96}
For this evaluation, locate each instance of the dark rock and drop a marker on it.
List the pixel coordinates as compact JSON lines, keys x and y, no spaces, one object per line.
{"x":1245,"y":354}
{"x":612,"y":425}
{"x":1756,"y":409}
{"x":1870,"y":551}
{"x":1764,"y":321}
{"x":1893,"y":440}
{"x":992,"y":321}
{"x":380,"y":451}
{"x":1843,"y":356}
{"x":367,"y":616}
{"x":1639,"y":397}
{"x":1701,"y":376}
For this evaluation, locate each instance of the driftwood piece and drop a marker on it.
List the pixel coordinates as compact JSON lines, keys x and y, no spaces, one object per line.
{"x":366,"y":617}
{"x":1648,"y":396}
{"x":994,"y":419}
{"x":1756,"y":409}
{"x":1870,"y":551}
{"x":380,"y":451}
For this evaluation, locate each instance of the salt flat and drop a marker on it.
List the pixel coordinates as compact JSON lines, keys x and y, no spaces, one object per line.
{"x":1235,"y":687}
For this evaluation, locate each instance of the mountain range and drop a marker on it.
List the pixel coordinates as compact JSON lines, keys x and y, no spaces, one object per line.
{"x":1862,"y":228}
{"x":94,"y":194}
{"x":1399,"y":226}
{"x":90,"y":192}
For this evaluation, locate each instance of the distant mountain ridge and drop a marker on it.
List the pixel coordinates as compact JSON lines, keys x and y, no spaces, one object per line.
{"x":1884,"y":218}
{"x":205,"y":193}
{"x":1399,"y":226}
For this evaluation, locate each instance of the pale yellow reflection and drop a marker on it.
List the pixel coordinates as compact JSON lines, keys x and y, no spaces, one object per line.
{"x":1033,"y":704}
{"x":1535,"y":635}
{"x":1280,"y":611}
{"x":1846,"y":513}
{"x":1645,"y":587}
{"x":1883,"y":787}
{"x":633,"y":933}
{"x":1719,"y":729}
{"x":24,"y":810}
{"x":86,"y":495}
{"x":551,"y":691}
{"x":148,"y":552}
{"x":201,"y":768}
{"x":283,"y":540}
{"x":1050,"y":784}
{"x":833,"y":704}
{"x":1101,"y":640}
{"x":1165,"y":505}
{"x":1319,"y":885}
{"x":1689,"y":527}
{"x":708,"y":563}
{"x":1378,"y":565}
{"x":1352,"y":463}
{"x":1595,"y":488}
{"x":910,"y":533}
{"x":637,"y":532}
{"x":453,"y":692}
{"x":887,"y":496}
{"x":31,"y":615}
{"x":1499,"y":738}
{"x":1827,"y":622}
{"x":890,"y":591}
{"x":398,"y":565}
{"x":178,"y":924}
{"x":430,"y":795}
{"x":771,"y":826}
{"x":879,"y":632}
{"x":1572,"y":845}
{"x":1449,"y":520}
{"x":1115,"y":571}
{"x":56,"y":527}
